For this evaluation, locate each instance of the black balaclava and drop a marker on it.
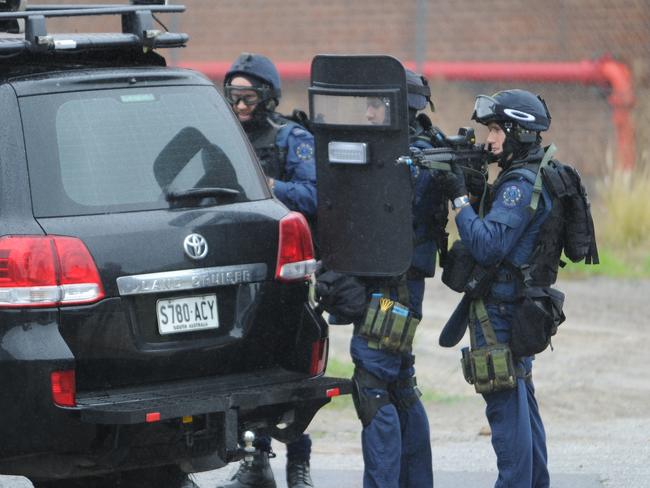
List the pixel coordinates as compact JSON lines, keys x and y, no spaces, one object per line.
{"x":514,"y":150}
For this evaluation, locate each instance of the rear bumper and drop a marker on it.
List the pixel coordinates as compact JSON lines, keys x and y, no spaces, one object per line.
{"x":278,"y":402}
{"x":241,"y":392}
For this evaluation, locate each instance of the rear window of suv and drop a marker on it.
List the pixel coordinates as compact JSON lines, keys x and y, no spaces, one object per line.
{"x":123,"y":150}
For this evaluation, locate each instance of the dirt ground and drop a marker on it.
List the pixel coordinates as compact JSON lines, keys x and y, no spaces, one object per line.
{"x":593,"y":393}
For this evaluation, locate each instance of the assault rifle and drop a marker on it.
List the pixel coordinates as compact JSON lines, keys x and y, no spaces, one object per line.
{"x":461,"y":150}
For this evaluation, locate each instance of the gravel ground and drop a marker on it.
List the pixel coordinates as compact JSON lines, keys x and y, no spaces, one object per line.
{"x":591,"y":390}
{"x":592,"y":395}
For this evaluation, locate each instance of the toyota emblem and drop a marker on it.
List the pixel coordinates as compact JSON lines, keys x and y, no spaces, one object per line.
{"x":196,"y":247}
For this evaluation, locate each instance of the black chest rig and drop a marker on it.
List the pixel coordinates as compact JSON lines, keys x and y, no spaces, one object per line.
{"x":538,"y":310}
{"x":263,"y":138}
{"x":569,"y":227}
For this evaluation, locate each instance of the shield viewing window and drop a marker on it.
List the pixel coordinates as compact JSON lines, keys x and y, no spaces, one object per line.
{"x":353,"y":109}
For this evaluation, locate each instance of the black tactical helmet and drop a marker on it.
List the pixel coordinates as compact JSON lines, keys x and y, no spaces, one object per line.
{"x":419,"y":93}
{"x":522,"y":116}
{"x":258,"y":67}
{"x":519,"y":107}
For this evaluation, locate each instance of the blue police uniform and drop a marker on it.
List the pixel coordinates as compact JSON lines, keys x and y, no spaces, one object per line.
{"x":426,"y":198}
{"x":297,"y":188}
{"x":396,"y":443}
{"x":509,"y":232}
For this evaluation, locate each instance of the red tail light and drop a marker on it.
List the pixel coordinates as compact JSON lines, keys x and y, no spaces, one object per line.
{"x":64,"y":388}
{"x":46,"y":271}
{"x":318,"y":361}
{"x":295,"y":249}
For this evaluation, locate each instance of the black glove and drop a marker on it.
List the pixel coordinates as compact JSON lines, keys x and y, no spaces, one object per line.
{"x":454,"y":182}
{"x":341,"y":295}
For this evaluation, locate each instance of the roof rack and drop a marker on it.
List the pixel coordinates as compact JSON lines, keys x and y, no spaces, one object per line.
{"x":137,"y":29}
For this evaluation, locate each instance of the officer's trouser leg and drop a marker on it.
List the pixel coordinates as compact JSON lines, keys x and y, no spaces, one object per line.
{"x":380,"y":442}
{"x":517,"y":437}
{"x":416,"y":469}
{"x":381,"y":434}
{"x":300,"y":449}
{"x":540,"y":459}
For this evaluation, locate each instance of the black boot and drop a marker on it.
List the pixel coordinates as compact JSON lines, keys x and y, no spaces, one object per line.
{"x":298,"y":475}
{"x":256,"y":475}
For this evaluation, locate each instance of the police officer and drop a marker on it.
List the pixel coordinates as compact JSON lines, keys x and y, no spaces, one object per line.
{"x":285,"y":148}
{"x":395,"y":436}
{"x":506,"y":238}
{"x":286,"y":151}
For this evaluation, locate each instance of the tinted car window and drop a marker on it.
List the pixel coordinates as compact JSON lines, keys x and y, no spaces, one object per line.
{"x":121,"y":150}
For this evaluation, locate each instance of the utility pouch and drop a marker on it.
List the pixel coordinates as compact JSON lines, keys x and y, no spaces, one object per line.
{"x":489,"y":368}
{"x":536,"y":320}
{"x":503,"y":366}
{"x":466,"y":364}
{"x":398,"y":319}
{"x":459,"y":264}
{"x":388,"y":325}
{"x":371,"y":313}
{"x":406,"y":344}
{"x":463,"y":274}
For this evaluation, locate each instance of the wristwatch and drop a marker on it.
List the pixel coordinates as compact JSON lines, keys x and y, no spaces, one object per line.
{"x":460,"y":202}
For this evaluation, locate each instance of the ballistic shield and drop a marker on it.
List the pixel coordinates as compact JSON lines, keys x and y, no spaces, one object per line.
{"x":359,"y":118}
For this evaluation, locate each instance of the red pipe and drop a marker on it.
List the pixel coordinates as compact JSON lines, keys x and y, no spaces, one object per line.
{"x":604,"y":72}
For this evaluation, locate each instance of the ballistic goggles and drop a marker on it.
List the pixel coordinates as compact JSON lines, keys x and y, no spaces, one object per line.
{"x":249,"y":95}
{"x":487,"y":108}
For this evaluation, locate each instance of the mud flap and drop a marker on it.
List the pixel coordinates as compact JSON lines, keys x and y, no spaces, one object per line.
{"x":304,"y":413}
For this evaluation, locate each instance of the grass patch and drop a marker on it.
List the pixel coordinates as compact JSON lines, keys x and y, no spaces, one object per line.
{"x":623,"y":210}
{"x":611,"y":264}
{"x":622,"y":219}
{"x":434,"y":396}
{"x":344,"y":369}
{"x":339,"y":368}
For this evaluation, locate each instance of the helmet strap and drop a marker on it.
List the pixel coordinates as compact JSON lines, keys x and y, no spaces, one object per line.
{"x":513,"y":148}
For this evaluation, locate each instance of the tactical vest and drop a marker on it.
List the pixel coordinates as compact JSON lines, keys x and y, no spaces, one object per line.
{"x":569,"y":227}
{"x":270,"y":155}
{"x":264,"y":141}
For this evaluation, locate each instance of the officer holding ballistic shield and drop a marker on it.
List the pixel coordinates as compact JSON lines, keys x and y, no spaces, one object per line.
{"x":357,"y":175}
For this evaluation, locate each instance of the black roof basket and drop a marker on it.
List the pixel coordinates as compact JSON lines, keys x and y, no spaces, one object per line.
{"x":138,"y":29}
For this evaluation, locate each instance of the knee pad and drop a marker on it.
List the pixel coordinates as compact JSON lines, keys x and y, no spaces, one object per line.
{"x":404,"y":393}
{"x":365,"y":403}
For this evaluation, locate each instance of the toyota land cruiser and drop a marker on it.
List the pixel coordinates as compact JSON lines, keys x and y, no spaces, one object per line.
{"x":153,"y":294}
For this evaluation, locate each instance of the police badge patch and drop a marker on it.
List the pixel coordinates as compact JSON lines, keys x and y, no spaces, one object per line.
{"x":305,"y":151}
{"x":512,"y":196}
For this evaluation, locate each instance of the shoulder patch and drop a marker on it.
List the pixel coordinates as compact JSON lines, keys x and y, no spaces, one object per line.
{"x":298,"y":131}
{"x":305,"y":151}
{"x":512,"y":195}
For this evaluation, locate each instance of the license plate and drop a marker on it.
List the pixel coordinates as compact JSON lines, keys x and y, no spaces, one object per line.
{"x":187,"y":314}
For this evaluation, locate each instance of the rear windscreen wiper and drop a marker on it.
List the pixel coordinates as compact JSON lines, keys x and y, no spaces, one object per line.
{"x":193,"y":193}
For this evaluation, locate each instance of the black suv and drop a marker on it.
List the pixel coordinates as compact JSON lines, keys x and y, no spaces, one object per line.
{"x":153,"y":294}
